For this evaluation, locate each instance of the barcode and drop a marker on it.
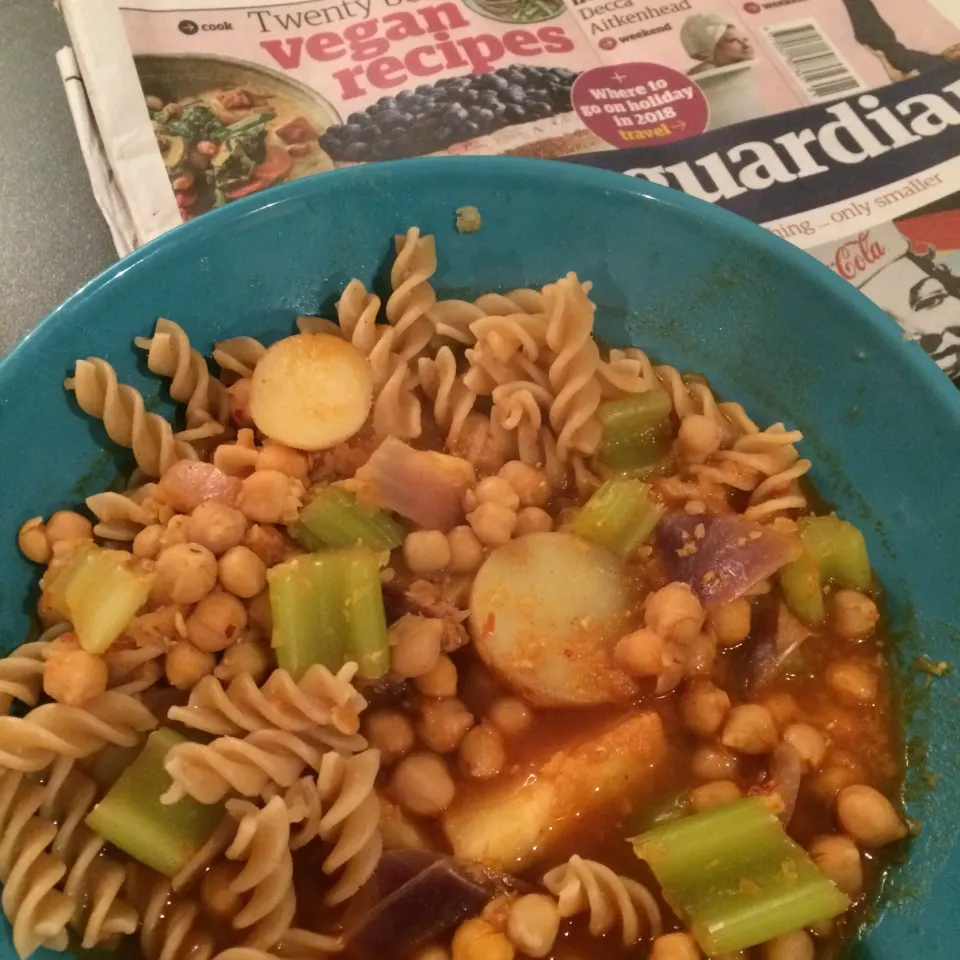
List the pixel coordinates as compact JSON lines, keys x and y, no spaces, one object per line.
{"x":813,"y":59}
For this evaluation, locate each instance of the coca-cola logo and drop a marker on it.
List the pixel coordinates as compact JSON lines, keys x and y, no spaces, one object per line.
{"x":853,"y":257}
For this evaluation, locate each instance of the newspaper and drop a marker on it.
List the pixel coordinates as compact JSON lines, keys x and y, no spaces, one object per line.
{"x":834,"y":123}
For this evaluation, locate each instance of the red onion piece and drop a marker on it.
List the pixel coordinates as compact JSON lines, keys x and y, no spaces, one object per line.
{"x":721,"y":558}
{"x":188,"y":483}
{"x":421,"y":485}
{"x":785,"y":773}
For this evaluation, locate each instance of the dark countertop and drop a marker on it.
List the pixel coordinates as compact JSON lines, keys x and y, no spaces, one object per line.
{"x":53,"y":238}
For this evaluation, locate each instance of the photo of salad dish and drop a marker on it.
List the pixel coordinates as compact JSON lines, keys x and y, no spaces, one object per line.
{"x":226,"y":133}
{"x":517,"y":11}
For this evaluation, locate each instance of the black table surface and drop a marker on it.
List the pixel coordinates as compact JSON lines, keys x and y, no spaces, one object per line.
{"x":53,"y":238}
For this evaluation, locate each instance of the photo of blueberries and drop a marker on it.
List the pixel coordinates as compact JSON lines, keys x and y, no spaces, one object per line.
{"x":434,"y":116}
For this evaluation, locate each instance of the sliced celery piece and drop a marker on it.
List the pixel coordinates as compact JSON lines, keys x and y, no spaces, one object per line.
{"x":131,"y":816}
{"x":328,"y":608}
{"x":337,"y":519}
{"x":735,"y":878}
{"x":99,"y":591}
{"x":838,"y":549}
{"x":306,"y":601}
{"x":619,"y":516}
{"x":633,"y":416}
{"x":107,"y":765}
{"x":366,"y":618}
{"x":803,"y":589}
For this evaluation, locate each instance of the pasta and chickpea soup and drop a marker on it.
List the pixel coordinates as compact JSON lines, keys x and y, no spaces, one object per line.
{"x":441,"y":632}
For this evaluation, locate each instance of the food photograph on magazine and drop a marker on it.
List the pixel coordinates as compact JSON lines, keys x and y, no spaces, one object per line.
{"x":486,"y":488}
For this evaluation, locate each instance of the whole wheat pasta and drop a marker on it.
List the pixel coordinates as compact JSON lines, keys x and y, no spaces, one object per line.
{"x":54,"y":730}
{"x":21,"y":674}
{"x":452,"y":399}
{"x":238,"y":356}
{"x":412,"y":295}
{"x":120,"y":407}
{"x":611,"y":900}
{"x":170,"y":927}
{"x":170,"y":355}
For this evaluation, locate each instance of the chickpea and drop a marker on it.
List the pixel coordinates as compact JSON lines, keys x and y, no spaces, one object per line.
{"x":267,"y":542}
{"x":839,"y":860}
{"x":533,"y":520}
{"x":482,"y":752}
{"x":478,"y":939}
{"x":730,"y":622}
{"x":186,"y":665}
{"x":853,"y":615}
{"x":699,"y":655}
{"x":284,"y":459}
{"x":719,"y":793}
{"x":68,"y":525}
{"x":704,"y":707}
{"x":698,"y":437}
{"x":440,"y":680}
{"x":511,"y":716}
{"x":466,"y":551}
{"x":712,"y":762}
{"x":809,"y":743}
{"x":390,"y":732}
{"x":443,"y":723}
{"x":493,"y":523}
{"x":74,"y":676}
{"x":426,"y":551}
{"x":269,"y":496}
{"x":174,"y":532}
{"x":674,"y":946}
{"x":831,"y":780}
{"x":423,"y":785}
{"x":242,"y":572}
{"x":533,"y":924}
{"x":249,"y":657}
{"x":415,"y":645}
{"x":216,"y":622}
{"x":148,"y":543}
{"x":868,"y":816}
{"x":642,"y":653}
{"x":530,"y":484}
{"x":782,"y":706}
{"x":216,"y":526}
{"x":674,"y":612}
{"x":260,"y":615}
{"x":215,"y":892}
{"x":33,"y":542}
{"x":750,"y":729}
{"x":796,"y":945}
{"x":497,"y":490}
{"x":853,"y":681}
{"x":185,"y":573}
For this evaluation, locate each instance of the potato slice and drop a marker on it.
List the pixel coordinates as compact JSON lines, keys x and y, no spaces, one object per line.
{"x":521,"y":819}
{"x":311,"y":391}
{"x":545,"y":613}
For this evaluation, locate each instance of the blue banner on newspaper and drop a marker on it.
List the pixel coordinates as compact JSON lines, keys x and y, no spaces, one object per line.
{"x":781,"y":165}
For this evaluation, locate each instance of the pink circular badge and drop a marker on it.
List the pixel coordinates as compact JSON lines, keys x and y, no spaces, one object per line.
{"x":638,"y":104}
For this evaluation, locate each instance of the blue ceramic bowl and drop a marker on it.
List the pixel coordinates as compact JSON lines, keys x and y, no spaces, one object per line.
{"x":697,"y":287}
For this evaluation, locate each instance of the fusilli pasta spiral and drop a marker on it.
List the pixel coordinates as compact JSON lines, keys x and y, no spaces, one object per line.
{"x":412,"y":295}
{"x":585,"y":885}
{"x":53,"y":730}
{"x":169,"y":354}
{"x":21,"y":675}
{"x":573,"y":369}
{"x":169,"y":928}
{"x":452,"y":399}
{"x":37,"y":910}
{"x":248,"y":766}
{"x":319,"y":699}
{"x":127,"y":423}
{"x":238,"y":355}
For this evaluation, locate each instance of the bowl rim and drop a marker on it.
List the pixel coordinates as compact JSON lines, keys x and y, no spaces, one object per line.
{"x":518,"y":169}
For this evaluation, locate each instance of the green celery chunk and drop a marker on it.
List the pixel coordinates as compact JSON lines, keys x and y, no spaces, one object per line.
{"x":328,"y":608}
{"x":366,"y":618}
{"x":839,"y":551}
{"x":632,"y":416}
{"x":735,"y":878}
{"x":107,"y":765}
{"x":802,"y":589}
{"x":131,"y":816}
{"x":306,"y":601}
{"x":336,"y":519}
{"x":619,"y":516}
{"x":99,"y":591}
